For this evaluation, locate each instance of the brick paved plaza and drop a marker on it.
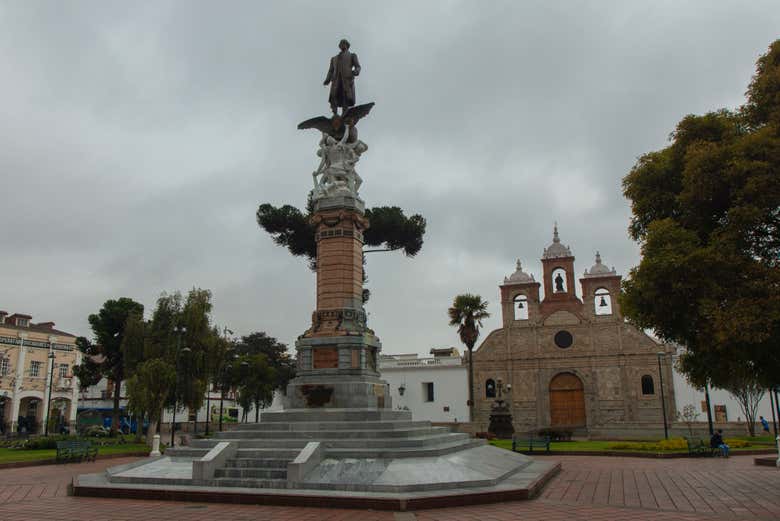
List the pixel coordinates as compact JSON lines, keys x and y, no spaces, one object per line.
{"x":593,"y":488}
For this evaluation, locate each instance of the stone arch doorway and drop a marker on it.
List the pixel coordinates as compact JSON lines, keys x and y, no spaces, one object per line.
{"x":567,"y":401}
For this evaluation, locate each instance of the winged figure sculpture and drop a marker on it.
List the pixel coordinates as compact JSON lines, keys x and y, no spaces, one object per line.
{"x":336,"y":125}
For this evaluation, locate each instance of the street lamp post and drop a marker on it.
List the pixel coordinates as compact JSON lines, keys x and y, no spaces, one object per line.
{"x":48,"y":401}
{"x":243,"y":367}
{"x":661,"y":354}
{"x":228,"y":367}
{"x":709,"y":407}
{"x":180,"y":330}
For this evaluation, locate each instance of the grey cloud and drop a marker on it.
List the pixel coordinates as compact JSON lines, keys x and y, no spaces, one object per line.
{"x":138,"y":140}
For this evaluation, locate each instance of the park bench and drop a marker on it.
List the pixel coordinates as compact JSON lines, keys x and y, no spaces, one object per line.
{"x":696,"y":447}
{"x":75,"y":450}
{"x":519,"y":443}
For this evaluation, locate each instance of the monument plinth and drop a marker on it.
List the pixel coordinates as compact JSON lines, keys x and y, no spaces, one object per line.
{"x":337,"y":356}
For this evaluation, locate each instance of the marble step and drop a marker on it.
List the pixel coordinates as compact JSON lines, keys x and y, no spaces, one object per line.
{"x":328,"y":425}
{"x":319,"y":415}
{"x":247,"y":483}
{"x":187,"y":452}
{"x":243,"y":463}
{"x":354,"y":443}
{"x":287,"y":455}
{"x":335,"y":434}
{"x":405,"y":452}
{"x":252,"y":473}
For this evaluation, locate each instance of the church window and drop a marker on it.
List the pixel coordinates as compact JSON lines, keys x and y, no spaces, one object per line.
{"x":521,"y":307}
{"x":490,"y":389}
{"x":647,"y":385}
{"x":563,"y":339}
{"x":602,"y":302}
{"x":559,"y":280}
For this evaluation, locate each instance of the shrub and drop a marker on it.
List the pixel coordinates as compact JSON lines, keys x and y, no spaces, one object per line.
{"x":97,"y":431}
{"x":652,"y":446}
{"x":555,"y":434}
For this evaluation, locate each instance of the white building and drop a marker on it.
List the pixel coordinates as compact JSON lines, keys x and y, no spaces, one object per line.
{"x":433,"y":388}
{"x":725,"y":408}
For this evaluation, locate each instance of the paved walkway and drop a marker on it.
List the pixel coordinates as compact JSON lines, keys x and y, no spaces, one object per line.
{"x":592,"y":488}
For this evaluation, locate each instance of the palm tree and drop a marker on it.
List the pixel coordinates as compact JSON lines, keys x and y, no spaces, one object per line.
{"x":467,"y":312}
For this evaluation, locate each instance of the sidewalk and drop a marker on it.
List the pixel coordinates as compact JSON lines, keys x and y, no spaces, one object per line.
{"x":588,"y":488}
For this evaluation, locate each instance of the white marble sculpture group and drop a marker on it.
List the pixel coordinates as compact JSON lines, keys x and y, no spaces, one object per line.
{"x":337,"y":175}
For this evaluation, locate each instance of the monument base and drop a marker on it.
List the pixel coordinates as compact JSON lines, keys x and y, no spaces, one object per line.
{"x":338,"y":372}
{"x":345,"y":392}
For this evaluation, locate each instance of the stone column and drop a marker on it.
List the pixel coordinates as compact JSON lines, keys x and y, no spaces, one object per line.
{"x":337,"y":356}
{"x":17,"y":402}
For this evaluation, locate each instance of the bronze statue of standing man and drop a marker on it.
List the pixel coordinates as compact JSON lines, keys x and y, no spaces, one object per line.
{"x":341,"y":77}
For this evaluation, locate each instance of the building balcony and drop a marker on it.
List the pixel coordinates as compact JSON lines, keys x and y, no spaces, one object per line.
{"x":64,"y":384}
{"x":389,"y":363}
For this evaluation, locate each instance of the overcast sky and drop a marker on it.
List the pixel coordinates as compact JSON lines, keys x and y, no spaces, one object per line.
{"x":138,"y":138}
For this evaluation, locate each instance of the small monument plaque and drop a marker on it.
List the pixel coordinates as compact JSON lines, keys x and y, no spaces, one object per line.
{"x":326,"y":358}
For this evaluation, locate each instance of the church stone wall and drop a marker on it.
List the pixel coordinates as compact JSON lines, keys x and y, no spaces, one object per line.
{"x":608,"y":355}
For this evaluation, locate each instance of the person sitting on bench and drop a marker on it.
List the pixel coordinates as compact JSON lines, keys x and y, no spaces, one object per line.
{"x":716,"y":442}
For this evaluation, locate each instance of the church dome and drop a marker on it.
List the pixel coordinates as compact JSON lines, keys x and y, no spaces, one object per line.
{"x":599,"y":269}
{"x":519,"y":276}
{"x":556,"y":250}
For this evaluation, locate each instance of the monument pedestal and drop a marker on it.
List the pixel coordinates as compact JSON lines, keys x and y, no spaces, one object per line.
{"x":337,"y":356}
{"x":338,"y":372}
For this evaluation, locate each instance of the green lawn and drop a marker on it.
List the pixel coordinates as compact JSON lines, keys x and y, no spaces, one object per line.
{"x":561,"y":445}
{"x":597,"y":446}
{"x":12,"y":455}
{"x":756,"y":439}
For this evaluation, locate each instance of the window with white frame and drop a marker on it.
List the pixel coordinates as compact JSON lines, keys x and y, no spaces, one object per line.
{"x":35,"y":368}
{"x":63,"y":371}
{"x":4,"y":366}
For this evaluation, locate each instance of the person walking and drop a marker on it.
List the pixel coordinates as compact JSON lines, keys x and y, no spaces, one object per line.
{"x":764,"y":424}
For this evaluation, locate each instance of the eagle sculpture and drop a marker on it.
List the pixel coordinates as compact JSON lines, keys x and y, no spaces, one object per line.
{"x":336,"y":125}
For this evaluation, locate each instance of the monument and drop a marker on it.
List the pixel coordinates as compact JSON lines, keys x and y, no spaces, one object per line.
{"x":337,"y":356}
{"x":338,"y":442}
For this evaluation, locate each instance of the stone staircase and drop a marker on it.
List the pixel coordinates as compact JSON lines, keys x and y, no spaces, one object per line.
{"x":264,"y":449}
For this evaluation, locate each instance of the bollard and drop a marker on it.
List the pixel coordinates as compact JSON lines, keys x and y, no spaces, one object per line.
{"x":156,"y":446}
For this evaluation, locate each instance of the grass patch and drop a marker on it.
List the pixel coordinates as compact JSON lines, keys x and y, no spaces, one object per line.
{"x":17,"y":455}
{"x":560,"y":445}
{"x":673,"y":445}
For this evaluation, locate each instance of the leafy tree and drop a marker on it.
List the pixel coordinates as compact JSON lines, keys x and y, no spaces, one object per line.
{"x":390,"y":230}
{"x":104,"y":356}
{"x":748,"y":392}
{"x":467,"y":313}
{"x":200,"y":338}
{"x":256,"y":383}
{"x":277,"y":356}
{"x":706,"y":213}
{"x":148,"y":390}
